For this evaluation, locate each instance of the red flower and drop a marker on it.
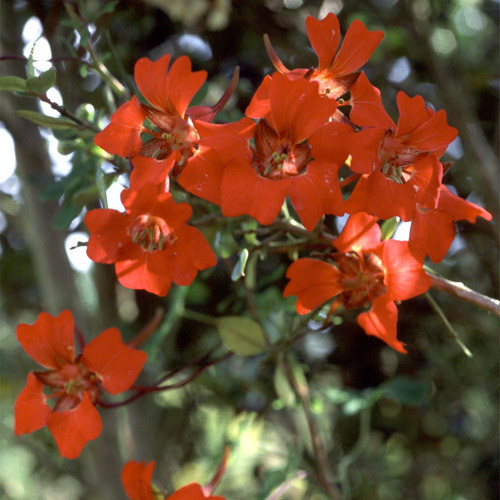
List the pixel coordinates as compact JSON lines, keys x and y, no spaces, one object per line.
{"x":169,"y":92}
{"x":432,"y":231}
{"x":105,"y":363}
{"x":150,"y":244}
{"x":400,"y":163}
{"x":136,"y":479}
{"x":336,"y":71}
{"x":291,"y":157}
{"x":364,"y":270}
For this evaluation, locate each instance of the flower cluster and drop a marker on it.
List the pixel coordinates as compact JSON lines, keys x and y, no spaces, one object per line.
{"x":105,"y":363}
{"x":300,"y":128}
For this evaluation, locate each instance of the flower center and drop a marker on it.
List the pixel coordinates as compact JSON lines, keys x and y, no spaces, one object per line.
{"x":174,"y":134}
{"x":363,"y":278}
{"x":275,"y":157}
{"x":69,"y":384}
{"x":151,"y":233}
{"x":395,"y":156}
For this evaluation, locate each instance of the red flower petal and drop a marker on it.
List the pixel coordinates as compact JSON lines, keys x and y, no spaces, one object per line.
{"x":297,"y":109}
{"x":151,"y":79}
{"x":324,"y":36}
{"x":364,"y":148}
{"x":245,"y":192}
{"x":412,"y":113}
{"x":138,"y":273}
{"x":328,"y":143}
{"x":182,"y":84}
{"x":404,"y":275}
{"x":122,"y":136}
{"x":427,"y":131}
{"x":242,"y":129}
{"x":313,"y":282}
{"x":108,"y":235}
{"x":192,"y":491}
{"x":361,"y":233}
{"x":136,"y":479}
{"x":356,"y":49}
{"x":49,"y":341}
{"x":73,"y":429}
{"x":387,"y":198}
{"x":151,"y":171}
{"x":316,"y":192}
{"x":202,"y":175}
{"x":426,"y":180}
{"x":116,"y":364}
{"x":195,"y":247}
{"x":431,"y":233}
{"x":30,"y":409}
{"x":381,"y":321}
{"x":460,"y":209}
{"x":367,"y":108}
{"x":260,"y":105}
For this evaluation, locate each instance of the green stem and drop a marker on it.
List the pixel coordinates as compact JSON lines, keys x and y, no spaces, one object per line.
{"x":449,"y":327}
{"x":198,"y":316}
{"x":357,"y":450}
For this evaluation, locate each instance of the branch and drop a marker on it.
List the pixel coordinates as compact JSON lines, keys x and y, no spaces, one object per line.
{"x":158,"y":388}
{"x":465,"y":293}
{"x":319,"y":450}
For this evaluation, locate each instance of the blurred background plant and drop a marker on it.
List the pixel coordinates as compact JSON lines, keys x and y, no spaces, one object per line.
{"x":420,"y":426}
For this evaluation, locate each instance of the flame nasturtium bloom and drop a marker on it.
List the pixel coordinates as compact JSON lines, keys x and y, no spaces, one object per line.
{"x":77,"y":380}
{"x":336,"y":71}
{"x":168,"y":92}
{"x":150,"y":244}
{"x":291,"y":156}
{"x":136,"y":479}
{"x":399,"y":164}
{"x":364,"y":270}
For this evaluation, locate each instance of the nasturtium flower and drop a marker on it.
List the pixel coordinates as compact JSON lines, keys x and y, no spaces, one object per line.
{"x":399,"y":164}
{"x":336,"y":71}
{"x":363,"y":271}
{"x":169,"y":121}
{"x":150,"y":244}
{"x":137,"y":477}
{"x":105,"y":363}
{"x":290,"y":156}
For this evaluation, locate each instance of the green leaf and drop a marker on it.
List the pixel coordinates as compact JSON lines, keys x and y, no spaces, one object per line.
{"x":407,"y":391}
{"x":41,"y":83}
{"x":282,"y":387}
{"x":101,"y":186}
{"x":243,"y":336}
{"x":12,"y":83}
{"x":239,"y":268}
{"x":30,"y":68}
{"x":45,"y":121}
{"x":388,"y":227}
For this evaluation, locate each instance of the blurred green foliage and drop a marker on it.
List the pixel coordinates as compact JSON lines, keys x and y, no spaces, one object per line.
{"x":422,"y":426}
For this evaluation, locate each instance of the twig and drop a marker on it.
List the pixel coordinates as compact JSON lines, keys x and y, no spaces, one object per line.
{"x":284,"y":487}
{"x":319,"y":450}
{"x":159,"y":388}
{"x":465,"y":293}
